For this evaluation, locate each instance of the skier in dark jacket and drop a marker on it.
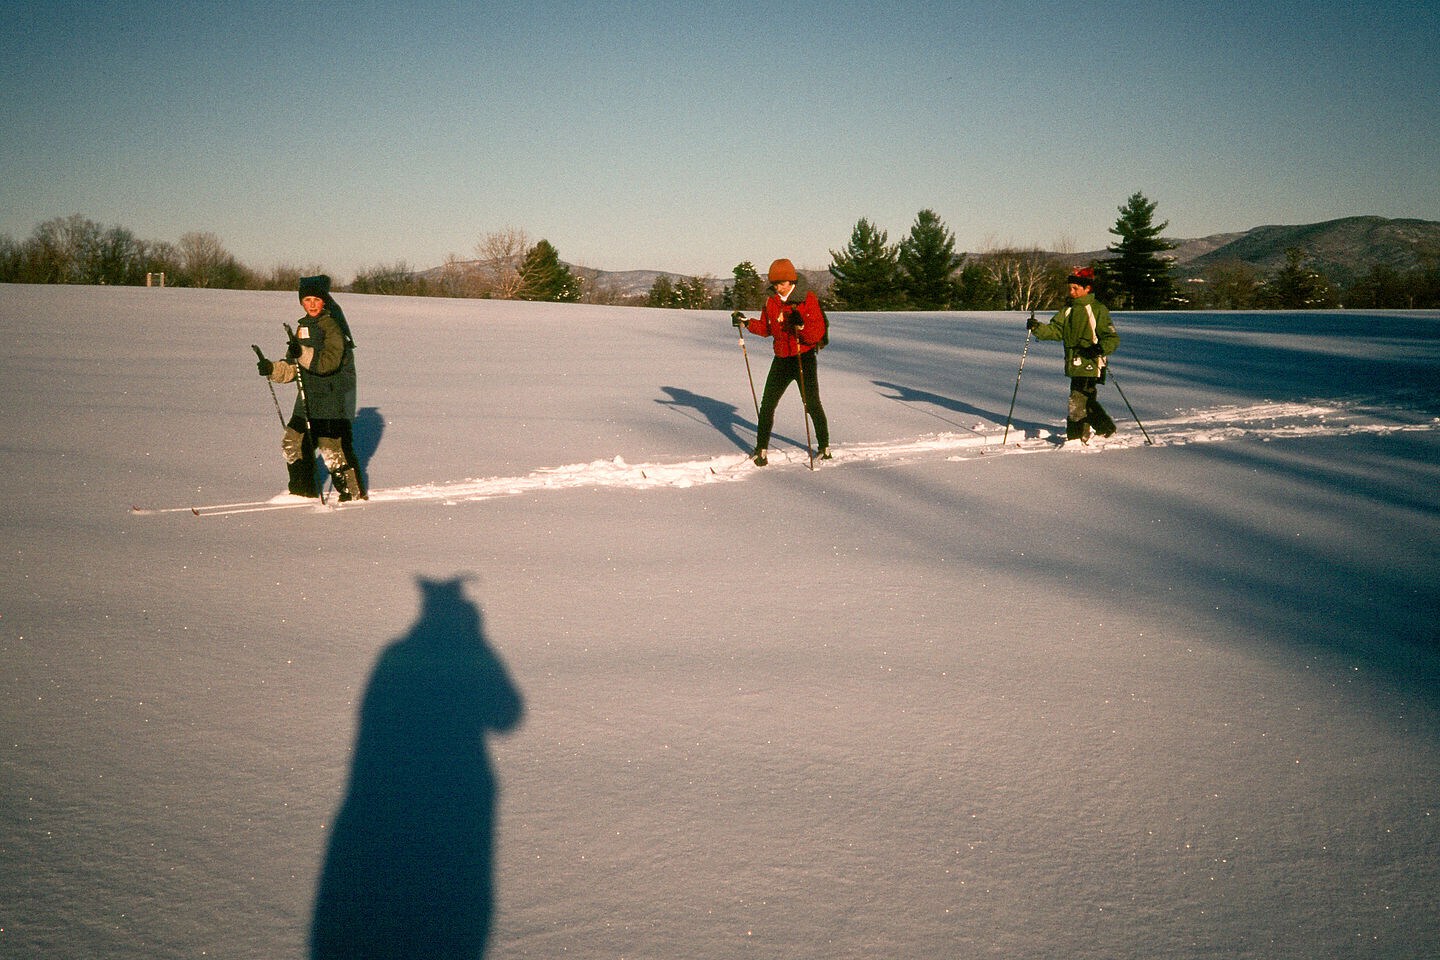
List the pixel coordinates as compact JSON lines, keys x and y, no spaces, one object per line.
{"x":1084,"y":326}
{"x":792,"y":316}
{"x":321,"y":357}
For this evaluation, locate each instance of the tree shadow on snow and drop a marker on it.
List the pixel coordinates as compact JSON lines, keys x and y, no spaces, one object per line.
{"x":910,"y":395}
{"x":409,"y":869}
{"x":724,"y":417}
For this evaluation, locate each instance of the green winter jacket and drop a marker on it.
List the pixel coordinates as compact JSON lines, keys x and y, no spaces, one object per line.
{"x":1071,"y":326}
{"x":327,"y":363}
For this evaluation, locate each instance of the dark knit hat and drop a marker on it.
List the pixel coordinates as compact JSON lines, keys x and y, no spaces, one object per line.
{"x":1083,"y":276}
{"x":318,"y":286}
{"x":782,"y":271}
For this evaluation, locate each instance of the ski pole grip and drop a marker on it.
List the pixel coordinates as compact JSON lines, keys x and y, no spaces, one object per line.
{"x":257,"y":351}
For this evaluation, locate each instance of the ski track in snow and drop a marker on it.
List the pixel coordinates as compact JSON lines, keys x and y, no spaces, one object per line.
{"x":1265,"y":421}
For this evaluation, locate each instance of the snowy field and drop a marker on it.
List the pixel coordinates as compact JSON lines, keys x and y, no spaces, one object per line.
{"x":582,"y":682}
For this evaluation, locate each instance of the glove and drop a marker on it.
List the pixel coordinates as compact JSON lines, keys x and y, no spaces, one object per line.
{"x":264,"y":366}
{"x":1031,"y":324}
{"x":737,"y":318}
{"x":793,"y":317}
{"x":1091,"y":350}
{"x":292,"y":349}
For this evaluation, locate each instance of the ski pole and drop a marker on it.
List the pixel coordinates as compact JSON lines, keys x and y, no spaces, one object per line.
{"x":736,"y":318}
{"x":273,"y":399}
{"x":1017,"y":380}
{"x":1148,"y":441}
{"x":305,"y":408}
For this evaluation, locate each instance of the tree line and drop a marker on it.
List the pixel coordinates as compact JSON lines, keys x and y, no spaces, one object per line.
{"x":920,"y":271}
{"x":78,"y":250}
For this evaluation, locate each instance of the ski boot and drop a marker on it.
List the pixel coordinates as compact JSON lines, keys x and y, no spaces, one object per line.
{"x":302,"y":478}
{"x":348,"y":486}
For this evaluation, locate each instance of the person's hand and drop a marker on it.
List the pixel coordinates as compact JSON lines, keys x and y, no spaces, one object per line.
{"x":264,"y":366}
{"x":737,"y":318}
{"x":1091,"y":350}
{"x":292,"y":349}
{"x":1031,"y":324}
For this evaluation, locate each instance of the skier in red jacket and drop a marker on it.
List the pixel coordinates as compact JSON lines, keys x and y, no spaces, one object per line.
{"x":793,"y":318}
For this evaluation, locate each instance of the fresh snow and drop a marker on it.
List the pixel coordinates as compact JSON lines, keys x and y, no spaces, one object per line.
{"x":627,"y":695}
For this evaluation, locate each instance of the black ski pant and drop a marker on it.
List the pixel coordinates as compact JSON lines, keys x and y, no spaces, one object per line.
{"x":783,"y":372}
{"x":1085,"y":408}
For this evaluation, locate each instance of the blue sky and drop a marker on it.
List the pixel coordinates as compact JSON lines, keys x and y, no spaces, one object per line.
{"x":689,"y":137}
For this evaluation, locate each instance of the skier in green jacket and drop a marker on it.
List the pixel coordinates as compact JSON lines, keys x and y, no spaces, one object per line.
{"x":322,"y":359}
{"x":1084,"y":326}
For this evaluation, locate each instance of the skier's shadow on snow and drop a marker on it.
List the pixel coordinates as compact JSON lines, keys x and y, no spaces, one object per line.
{"x":913,"y":396}
{"x":367,"y":430}
{"x":409,"y":868}
{"x":724,"y":417}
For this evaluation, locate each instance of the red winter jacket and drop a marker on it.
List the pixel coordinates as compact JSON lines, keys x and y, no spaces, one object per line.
{"x":771,"y":323}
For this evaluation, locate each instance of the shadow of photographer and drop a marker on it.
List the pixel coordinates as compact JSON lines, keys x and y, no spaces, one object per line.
{"x":409,"y":869}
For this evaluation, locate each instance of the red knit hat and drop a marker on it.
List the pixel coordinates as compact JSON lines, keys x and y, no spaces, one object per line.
{"x":1083,"y":276}
{"x":782,"y":271}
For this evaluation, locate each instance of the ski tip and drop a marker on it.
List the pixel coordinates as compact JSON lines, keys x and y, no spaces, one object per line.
{"x":195,"y":511}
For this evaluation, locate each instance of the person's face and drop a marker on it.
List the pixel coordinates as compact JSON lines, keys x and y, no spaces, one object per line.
{"x":783,"y":287}
{"x":1078,"y":291}
{"x":313,"y":306}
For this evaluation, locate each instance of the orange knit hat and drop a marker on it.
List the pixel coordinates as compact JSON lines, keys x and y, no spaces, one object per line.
{"x":783,"y":270}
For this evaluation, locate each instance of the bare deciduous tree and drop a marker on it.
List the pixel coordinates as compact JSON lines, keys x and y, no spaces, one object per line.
{"x":457,"y":278}
{"x":203,"y":257}
{"x":501,"y":254}
{"x":1024,"y":276}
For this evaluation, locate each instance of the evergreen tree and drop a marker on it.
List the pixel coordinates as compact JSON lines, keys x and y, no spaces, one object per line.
{"x":1138,"y":276}
{"x":693,"y":294}
{"x":662,"y":293}
{"x":1298,"y":287}
{"x":546,"y":278}
{"x":979,"y":290}
{"x":1383,"y":287}
{"x":748,"y":292}
{"x":867,"y":272}
{"x":929,"y":263}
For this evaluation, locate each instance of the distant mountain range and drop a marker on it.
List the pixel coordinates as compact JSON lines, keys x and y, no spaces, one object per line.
{"x":1344,"y":250}
{"x":626,"y":284}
